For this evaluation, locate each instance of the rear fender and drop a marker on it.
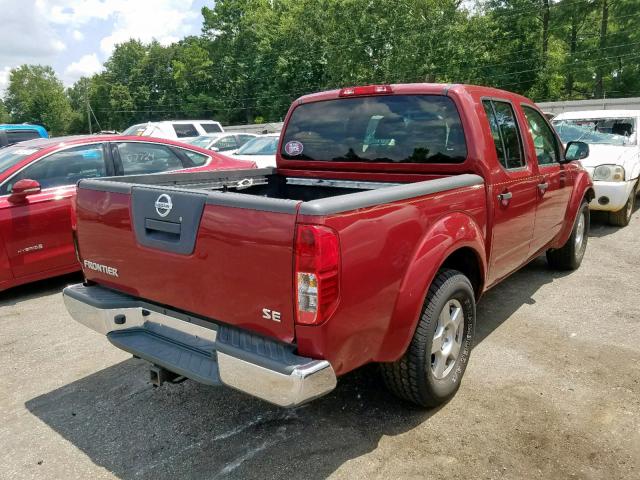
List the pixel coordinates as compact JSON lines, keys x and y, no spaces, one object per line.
{"x":448,"y":235}
{"x":583,"y":189}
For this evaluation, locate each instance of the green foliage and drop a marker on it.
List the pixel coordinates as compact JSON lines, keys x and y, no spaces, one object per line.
{"x":254,"y":57}
{"x":4,"y":114}
{"x":35,"y":95}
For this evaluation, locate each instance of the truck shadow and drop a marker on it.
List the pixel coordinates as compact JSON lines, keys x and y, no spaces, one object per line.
{"x":50,"y":286}
{"x":600,"y":226}
{"x":191,"y":431}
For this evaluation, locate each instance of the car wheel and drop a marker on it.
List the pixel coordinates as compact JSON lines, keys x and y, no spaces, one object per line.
{"x":570,"y":255}
{"x":430,"y":371}
{"x":622,"y":217}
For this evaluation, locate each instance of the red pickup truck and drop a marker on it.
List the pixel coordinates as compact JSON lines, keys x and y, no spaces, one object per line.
{"x":391,"y":210}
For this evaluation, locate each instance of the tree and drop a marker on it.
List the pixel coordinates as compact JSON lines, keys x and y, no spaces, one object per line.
{"x":4,"y":114}
{"x":35,"y":95}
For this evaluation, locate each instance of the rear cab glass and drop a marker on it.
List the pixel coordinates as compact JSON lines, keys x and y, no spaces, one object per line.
{"x":383,"y":129}
{"x":184,"y":130}
{"x":15,"y":136}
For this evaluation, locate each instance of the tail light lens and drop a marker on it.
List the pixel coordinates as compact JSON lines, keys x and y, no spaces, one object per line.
{"x":317,"y":273}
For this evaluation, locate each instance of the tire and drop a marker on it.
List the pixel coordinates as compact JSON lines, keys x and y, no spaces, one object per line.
{"x":430,"y":379}
{"x":622,"y":217}
{"x":570,"y":255}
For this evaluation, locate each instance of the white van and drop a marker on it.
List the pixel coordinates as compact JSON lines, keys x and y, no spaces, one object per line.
{"x":175,"y":129}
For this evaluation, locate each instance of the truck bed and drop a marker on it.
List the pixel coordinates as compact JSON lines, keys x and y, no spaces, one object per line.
{"x":224,"y":247}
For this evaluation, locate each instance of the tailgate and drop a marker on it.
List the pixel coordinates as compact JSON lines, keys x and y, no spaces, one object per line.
{"x":224,"y":256}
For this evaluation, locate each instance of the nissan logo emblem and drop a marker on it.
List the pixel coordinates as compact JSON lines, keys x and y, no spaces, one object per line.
{"x":163,"y":205}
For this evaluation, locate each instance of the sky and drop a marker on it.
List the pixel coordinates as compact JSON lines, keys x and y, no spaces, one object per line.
{"x":75,"y":37}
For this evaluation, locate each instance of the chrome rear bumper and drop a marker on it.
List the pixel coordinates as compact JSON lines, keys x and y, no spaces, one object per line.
{"x":206,"y":352}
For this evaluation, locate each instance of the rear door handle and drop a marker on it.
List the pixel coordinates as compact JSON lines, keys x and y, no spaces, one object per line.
{"x":543,"y":187}
{"x":505,"y":197}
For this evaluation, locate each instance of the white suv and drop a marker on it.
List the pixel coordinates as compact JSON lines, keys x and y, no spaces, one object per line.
{"x":175,"y":129}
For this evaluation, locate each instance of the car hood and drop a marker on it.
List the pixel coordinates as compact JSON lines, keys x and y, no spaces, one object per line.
{"x":625,"y":156}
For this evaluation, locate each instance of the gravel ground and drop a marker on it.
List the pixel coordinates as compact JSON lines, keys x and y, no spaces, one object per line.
{"x":552,"y":391}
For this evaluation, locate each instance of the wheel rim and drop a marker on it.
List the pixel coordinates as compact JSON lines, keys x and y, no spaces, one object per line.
{"x":580,"y":228}
{"x":447,"y":339}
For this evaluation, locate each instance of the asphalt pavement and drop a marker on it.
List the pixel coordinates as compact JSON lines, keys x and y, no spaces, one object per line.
{"x":552,"y":391}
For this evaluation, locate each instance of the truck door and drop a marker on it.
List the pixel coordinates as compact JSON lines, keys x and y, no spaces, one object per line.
{"x":512,"y":192}
{"x":554,"y":182}
{"x":37,"y":230}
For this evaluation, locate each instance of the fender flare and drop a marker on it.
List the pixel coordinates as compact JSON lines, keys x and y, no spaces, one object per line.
{"x":583,"y":189}
{"x":449,"y":234}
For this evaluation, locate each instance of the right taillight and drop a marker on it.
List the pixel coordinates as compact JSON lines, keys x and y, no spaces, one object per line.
{"x":317,"y":273}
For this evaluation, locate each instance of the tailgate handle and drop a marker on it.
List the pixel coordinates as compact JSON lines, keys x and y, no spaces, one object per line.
{"x":172,"y":228}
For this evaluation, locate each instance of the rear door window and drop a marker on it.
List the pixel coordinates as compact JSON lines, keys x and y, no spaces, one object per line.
{"x":139,"y":157}
{"x":211,"y":127}
{"x":63,"y":168}
{"x":385,"y":129}
{"x":505,"y":133}
{"x":185,"y":130}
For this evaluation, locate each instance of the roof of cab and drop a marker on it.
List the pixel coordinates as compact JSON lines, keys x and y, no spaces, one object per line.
{"x":588,"y":114}
{"x":25,"y":126}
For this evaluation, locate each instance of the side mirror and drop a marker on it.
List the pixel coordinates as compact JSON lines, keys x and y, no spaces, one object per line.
{"x":23,"y":188}
{"x":576,"y":151}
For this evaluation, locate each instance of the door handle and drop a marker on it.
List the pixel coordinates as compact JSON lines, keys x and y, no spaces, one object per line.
{"x":505,"y":197}
{"x":543,"y":187}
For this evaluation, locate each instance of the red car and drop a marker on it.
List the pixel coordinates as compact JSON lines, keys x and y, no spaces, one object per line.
{"x":38,"y":182}
{"x":392,"y":210}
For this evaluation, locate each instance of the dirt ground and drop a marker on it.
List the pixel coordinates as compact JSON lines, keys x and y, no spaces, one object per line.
{"x":552,"y":391}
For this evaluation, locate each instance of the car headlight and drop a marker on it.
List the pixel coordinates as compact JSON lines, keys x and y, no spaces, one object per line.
{"x":609,"y":173}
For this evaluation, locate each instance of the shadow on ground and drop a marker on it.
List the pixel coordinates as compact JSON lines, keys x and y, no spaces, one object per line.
{"x":15,"y":295}
{"x":191,"y":431}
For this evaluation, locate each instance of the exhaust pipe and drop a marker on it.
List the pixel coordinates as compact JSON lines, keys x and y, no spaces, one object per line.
{"x":158,"y":375}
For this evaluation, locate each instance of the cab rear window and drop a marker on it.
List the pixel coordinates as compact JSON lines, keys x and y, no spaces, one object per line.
{"x":386,"y":129}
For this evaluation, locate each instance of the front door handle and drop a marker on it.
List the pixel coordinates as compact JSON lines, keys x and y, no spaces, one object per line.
{"x":505,"y":198}
{"x":543,"y":187}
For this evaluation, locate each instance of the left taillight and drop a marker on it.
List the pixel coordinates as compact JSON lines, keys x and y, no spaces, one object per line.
{"x":317,"y":273}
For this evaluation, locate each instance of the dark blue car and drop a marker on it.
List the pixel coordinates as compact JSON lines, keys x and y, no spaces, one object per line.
{"x":10,"y":133}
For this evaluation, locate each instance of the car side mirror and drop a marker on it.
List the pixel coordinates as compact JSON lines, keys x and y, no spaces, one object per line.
{"x":576,"y":151}
{"x":23,"y":188}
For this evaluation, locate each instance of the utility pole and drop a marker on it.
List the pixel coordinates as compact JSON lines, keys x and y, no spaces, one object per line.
{"x":86,"y":96}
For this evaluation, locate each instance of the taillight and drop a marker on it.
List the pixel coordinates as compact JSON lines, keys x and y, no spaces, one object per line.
{"x":317,"y":274}
{"x":366,"y":90}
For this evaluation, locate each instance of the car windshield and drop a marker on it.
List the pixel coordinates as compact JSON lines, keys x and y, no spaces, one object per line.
{"x":10,"y":156}
{"x":259,"y":146}
{"x":202,"y":141}
{"x":393,"y":128}
{"x":136,"y":130}
{"x":606,"y":131}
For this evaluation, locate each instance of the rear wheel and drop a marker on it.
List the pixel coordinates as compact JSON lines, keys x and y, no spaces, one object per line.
{"x":431,"y":369}
{"x":622,"y":217}
{"x":569,"y":256}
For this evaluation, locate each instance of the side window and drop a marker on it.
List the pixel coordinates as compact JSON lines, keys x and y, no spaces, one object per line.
{"x":140,"y":157}
{"x":225,"y":143}
{"x":211,"y":127}
{"x":198,"y":159}
{"x":185,"y":130}
{"x":242,"y":139}
{"x":503,"y":123}
{"x":495,"y":132}
{"x":543,"y":138}
{"x":63,"y":168}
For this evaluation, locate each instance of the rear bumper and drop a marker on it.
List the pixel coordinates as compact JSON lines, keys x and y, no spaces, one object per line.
{"x":206,"y":352}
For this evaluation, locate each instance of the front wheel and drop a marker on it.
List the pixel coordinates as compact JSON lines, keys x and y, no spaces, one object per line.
{"x":569,"y":256}
{"x":430,"y":371}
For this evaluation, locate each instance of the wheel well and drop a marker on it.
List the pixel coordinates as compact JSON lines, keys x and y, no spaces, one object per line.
{"x":466,"y":261}
{"x":590,"y":194}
